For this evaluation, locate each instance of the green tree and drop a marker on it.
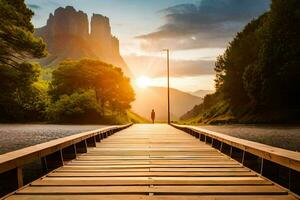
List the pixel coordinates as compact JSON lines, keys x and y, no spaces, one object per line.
{"x":257,"y":77}
{"x":113,"y":91}
{"x":17,"y":43}
{"x":230,"y":68}
{"x":80,"y":105}
{"x":279,"y":59}
{"x":16,"y":34}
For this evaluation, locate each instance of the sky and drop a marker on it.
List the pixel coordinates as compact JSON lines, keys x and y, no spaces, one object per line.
{"x":195,"y":31}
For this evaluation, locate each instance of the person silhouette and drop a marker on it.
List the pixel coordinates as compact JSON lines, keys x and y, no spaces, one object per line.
{"x":153,"y":115}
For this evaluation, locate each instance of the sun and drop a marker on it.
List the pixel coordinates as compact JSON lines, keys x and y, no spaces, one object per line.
{"x":143,"y":82}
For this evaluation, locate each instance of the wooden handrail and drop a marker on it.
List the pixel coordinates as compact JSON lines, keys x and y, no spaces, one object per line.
{"x":19,"y":158}
{"x":289,"y":159}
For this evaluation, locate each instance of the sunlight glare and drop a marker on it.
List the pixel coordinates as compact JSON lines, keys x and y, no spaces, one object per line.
{"x":143,"y":82}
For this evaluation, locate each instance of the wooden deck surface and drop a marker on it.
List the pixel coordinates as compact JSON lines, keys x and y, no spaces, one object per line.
{"x":152,"y":162}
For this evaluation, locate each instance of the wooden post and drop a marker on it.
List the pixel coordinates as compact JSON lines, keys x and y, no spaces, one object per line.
{"x":44,"y":164}
{"x":261,"y":166}
{"x":20,"y":177}
{"x":243,"y":157}
{"x":221,"y":146}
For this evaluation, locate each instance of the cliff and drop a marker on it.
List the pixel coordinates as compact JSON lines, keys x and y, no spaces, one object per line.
{"x":67,"y":36}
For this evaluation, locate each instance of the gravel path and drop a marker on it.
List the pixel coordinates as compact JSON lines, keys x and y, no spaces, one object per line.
{"x":287,"y":137}
{"x":17,"y":136}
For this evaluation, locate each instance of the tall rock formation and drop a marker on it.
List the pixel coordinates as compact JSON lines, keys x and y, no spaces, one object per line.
{"x":67,"y":36}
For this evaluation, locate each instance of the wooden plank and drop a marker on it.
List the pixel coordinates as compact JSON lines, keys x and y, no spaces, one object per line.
{"x":151,"y":181}
{"x":216,"y":169}
{"x":154,"y":197}
{"x":152,"y":162}
{"x":287,"y":158}
{"x":218,"y":190}
{"x":145,"y":169}
{"x":116,"y":158}
{"x":80,"y":197}
{"x":20,"y":157}
{"x":224,"y":197}
{"x":96,"y":167}
{"x":215,"y":190}
{"x":85,"y":190}
{"x":143,"y":174}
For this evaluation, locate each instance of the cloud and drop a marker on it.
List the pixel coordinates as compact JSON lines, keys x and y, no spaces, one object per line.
{"x":34,"y":6}
{"x":156,"y":66}
{"x":211,"y":23}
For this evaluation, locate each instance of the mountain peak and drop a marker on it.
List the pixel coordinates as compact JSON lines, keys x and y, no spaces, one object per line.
{"x":71,"y":8}
{"x":67,"y":36}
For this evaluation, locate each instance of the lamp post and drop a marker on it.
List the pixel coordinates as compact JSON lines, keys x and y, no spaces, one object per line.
{"x":168,"y":77}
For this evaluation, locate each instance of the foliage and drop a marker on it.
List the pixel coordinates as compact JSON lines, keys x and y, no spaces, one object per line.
{"x":16,"y":34}
{"x":20,"y":96}
{"x":112,"y":90}
{"x":277,"y":69}
{"x":85,"y":89}
{"x":257,"y":76}
{"x":241,"y":54}
{"x":79,"y":105}
{"x":23,"y":96}
{"x":46,"y":73}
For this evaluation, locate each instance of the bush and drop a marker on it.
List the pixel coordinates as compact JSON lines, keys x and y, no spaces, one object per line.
{"x":80,"y":105}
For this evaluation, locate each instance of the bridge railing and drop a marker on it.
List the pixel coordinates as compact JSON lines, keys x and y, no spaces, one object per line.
{"x":279,"y":165}
{"x":49,"y":156}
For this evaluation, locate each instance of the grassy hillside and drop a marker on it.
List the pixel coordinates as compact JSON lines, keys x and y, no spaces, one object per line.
{"x":135,"y":118}
{"x":212,"y":111}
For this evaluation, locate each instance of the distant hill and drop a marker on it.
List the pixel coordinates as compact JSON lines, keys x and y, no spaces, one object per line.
{"x":202,"y":93}
{"x":156,"y":98}
{"x":137,"y":119}
{"x":67,"y":36}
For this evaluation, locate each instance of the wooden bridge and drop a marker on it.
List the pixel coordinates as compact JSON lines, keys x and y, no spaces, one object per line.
{"x":163,"y":162}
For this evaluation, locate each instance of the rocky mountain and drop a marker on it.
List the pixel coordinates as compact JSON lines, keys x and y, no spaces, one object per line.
{"x":67,"y":36}
{"x":156,"y":98}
